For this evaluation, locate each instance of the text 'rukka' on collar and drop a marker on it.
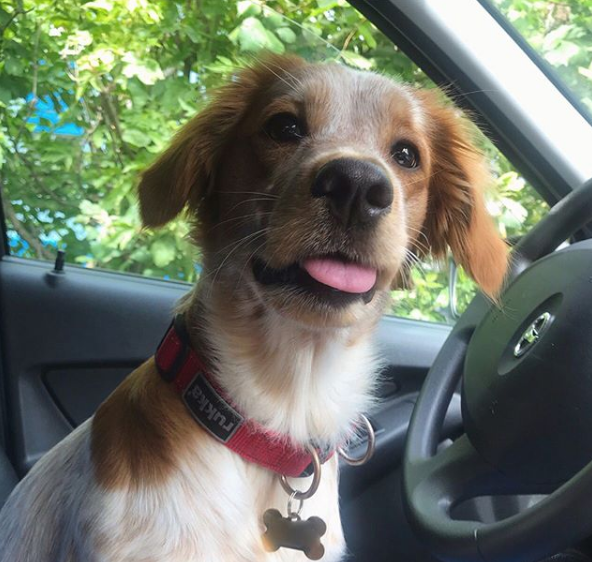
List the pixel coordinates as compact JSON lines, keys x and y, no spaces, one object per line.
{"x":179,"y":365}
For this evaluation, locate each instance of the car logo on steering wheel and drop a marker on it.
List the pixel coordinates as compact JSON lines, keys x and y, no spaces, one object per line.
{"x":532,"y":335}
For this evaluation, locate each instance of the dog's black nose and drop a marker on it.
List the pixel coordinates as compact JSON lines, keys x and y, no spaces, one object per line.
{"x":357,"y":191}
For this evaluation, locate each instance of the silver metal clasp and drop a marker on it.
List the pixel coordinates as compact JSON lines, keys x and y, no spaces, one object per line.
{"x":314,"y":485}
{"x":371,"y":445}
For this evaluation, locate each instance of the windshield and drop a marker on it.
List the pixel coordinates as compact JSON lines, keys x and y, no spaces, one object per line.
{"x":561,"y":32}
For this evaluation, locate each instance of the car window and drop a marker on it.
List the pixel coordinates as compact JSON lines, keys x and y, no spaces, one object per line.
{"x":561,"y":32}
{"x":91,"y":92}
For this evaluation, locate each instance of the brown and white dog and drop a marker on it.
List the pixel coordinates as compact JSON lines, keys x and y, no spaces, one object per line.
{"x":310,"y":186}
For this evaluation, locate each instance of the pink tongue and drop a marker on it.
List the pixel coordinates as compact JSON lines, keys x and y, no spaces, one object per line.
{"x":346,"y":277}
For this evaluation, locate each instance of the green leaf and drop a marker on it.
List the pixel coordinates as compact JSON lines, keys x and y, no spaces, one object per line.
{"x":357,"y":61}
{"x":327,"y":4}
{"x":135,"y":137}
{"x":138,"y":93}
{"x":368,"y":34}
{"x":273,"y":19}
{"x":187,"y":107}
{"x":124,"y":238}
{"x":5,"y":95}
{"x":223,"y":65}
{"x":14,"y":67}
{"x":286,"y":35}
{"x":274,"y":44}
{"x":195,"y":35}
{"x":106,"y":5}
{"x":587,"y":72}
{"x":252,"y":36}
{"x":514,"y":214}
{"x":248,"y":8}
{"x":148,"y":71}
{"x":4,"y":17}
{"x":555,"y":37}
{"x":162,"y":253}
{"x":562,"y":55}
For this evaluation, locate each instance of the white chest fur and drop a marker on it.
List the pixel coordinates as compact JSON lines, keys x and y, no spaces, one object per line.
{"x":211,"y":511}
{"x":310,"y":386}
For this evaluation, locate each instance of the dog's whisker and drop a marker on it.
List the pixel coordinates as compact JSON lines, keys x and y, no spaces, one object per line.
{"x":245,"y":201}
{"x":412,"y":261}
{"x":247,"y":262}
{"x":247,"y":239}
{"x":241,"y":240}
{"x":305,"y":31}
{"x":243,"y":217}
{"x":261,"y":193}
{"x":412,"y":182}
{"x":294,"y":79}
{"x":295,"y":82}
{"x":424,"y":247}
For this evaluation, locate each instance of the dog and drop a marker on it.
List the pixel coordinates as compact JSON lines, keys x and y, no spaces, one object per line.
{"x":310,"y":187}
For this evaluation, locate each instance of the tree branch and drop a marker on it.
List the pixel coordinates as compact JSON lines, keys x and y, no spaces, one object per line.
{"x":112,"y":119}
{"x":19,"y":11}
{"x":32,"y":238}
{"x":36,"y":62}
{"x":37,"y":180}
{"x":348,"y":39}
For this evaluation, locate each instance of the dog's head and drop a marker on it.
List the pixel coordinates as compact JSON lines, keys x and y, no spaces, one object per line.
{"x":311,"y":185}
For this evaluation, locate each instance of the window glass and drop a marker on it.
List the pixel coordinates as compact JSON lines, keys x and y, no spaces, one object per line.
{"x":561,"y":32}
{"x":91,"y":92}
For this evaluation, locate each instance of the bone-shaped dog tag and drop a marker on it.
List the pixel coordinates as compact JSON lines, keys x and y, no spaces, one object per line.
{"x":293,"y":532}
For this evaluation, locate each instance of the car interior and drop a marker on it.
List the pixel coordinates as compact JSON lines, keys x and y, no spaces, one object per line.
{"x":69,"y":335}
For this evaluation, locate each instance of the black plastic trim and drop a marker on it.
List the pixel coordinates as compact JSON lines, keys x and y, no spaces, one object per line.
{"x":4,"y":251}
{"x":4,"y":247}
{"x":4,"y":433}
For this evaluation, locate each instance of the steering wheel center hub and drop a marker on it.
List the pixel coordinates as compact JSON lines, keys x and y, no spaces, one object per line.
{"x":527,"y":385}
{"x":531,"y":336}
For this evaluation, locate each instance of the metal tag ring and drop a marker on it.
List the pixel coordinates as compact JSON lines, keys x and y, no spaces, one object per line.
{"x":369,"y":450}
{"x":314,"y":485}
{"x":294,"y":513}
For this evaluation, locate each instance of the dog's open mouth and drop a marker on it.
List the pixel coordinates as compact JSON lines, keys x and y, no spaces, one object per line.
{"x":333,"y":279}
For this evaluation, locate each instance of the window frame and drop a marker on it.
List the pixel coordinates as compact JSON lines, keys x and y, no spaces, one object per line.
{"x":4,"y":247}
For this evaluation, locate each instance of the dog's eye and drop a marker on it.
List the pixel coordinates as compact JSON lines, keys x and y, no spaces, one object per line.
{"x":405,"y":154}
{"x":284,"y":127}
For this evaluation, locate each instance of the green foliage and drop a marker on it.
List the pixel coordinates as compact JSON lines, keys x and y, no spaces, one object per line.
{"x":125,"y":74}
{"x":562,"y":33}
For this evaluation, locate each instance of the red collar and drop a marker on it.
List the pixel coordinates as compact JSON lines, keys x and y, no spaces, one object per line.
{"x":179,"y":365}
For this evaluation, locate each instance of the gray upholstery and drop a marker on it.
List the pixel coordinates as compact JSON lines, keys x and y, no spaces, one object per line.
{"x":8,"y":478}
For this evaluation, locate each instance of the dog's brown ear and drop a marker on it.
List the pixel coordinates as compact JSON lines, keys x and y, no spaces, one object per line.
{"x":165,"y":187}
{"x":457,"y":216}
{"x":184,"y":174}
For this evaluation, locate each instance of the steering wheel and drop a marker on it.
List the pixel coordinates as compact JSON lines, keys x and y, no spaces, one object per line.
{"x":526,"y":366}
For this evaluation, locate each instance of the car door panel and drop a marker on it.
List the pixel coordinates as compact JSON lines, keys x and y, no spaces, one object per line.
{"x":78,"y":391}
{"x":88,"y":325}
